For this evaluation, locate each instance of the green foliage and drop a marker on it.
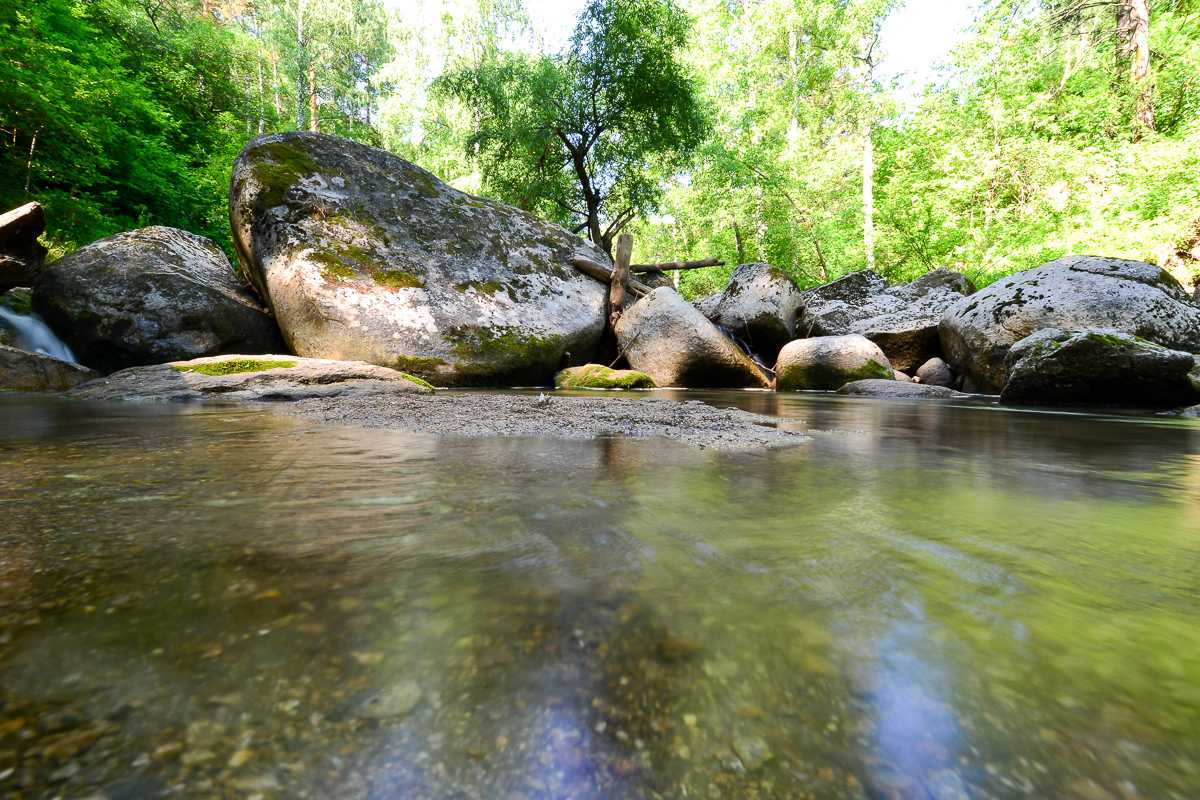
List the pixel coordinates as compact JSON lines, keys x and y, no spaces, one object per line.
{"x":586,"y":137}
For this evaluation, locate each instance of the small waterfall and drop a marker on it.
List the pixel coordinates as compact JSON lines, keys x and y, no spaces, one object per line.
{"x":34,"y":335}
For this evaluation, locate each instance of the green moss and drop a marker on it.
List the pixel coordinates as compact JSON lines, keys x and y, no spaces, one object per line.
{"x":332,"y":267}
{"x":417,"y":364}
{"x":598,"y":376}
{"x":233,"y":366}
{"x":19,"y":301}
{"x":424,"y":384}
{"x":507,"y":346}
{"x":827,"y":378}
{"x":277,"y":166}
{"x":489,"y":287}
{"x":397,"y":279}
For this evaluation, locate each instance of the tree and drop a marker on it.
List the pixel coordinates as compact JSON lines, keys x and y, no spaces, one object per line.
{"x":586,"y":136}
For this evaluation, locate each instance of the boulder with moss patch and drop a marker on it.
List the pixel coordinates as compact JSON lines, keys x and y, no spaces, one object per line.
{"x":22,"y":371}
{"x":250,"y":377}
{"x":665,"y":337}
{"x":902,"y":319}
{"x":830,"y":362}
{"x":598,"y":376}
{"x":151,"y":295}
{"x":1074,"y":293}
{"x":363,"y":255}
{"x":1098,"y":367}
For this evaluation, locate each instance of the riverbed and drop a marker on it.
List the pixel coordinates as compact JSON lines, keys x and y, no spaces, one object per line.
{"x":916,"y":600}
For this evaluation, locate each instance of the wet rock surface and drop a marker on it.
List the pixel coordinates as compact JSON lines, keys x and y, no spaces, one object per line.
{"x":148,"y":296}
{"x":899,"y":390}
{"x":667,"y":338}
{"x":829,"y":362}
{"x":21,"y":254}
{"x":1098,"y":368}
{"x":1073,"y":293}
{"x":902,"y":319}
{"x":22,"y":371}
{"x":245,"y":378}
{"x":365,"y":256}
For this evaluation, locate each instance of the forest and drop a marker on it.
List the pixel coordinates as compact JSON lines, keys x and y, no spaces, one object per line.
{"x":745,"y":130}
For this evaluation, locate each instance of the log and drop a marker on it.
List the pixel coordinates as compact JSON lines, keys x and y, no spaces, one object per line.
{"x":594,"y":269}
{"x":618,"y":286}
{"x":667,"y":266}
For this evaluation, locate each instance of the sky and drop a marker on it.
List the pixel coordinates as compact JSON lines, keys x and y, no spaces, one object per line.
{"x":914,"y":39}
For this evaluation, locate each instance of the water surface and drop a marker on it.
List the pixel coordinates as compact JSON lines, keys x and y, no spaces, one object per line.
{"x":925,"y":601}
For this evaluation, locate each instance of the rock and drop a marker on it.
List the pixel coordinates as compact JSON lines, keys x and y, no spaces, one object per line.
{"x":151,"y":295}
{"x":759,"y":306}
{"x":900,"y":376}
{"x":935,"y":372}
{"x":21,"y":254}
{"x":902,"y":320}
{"x":395,"y":701}
{"x":21,"y":371}
{"x":1098,"y":367}
{"x":254,"y":377}
{"x":598,"y":376}
{"x":897,"y":390}
{"x":829,"y":362}
{"x":752,"y":751}
{"x":363,"y":255}
{"x":1075,"y":293}
{"x":707,"y":305}
{"x":665,"y":337}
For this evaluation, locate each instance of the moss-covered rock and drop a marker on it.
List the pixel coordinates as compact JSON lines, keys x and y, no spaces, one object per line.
{"x":1098,"y":368}
{"x":1072,"y":294}
{"x":598,"y":376}
{"x":365,"y":256}
{"x":830,"y":362}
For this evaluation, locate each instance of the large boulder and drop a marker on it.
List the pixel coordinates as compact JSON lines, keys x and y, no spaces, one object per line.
{"x":21,"y":254}
{"x":902,"y":319}
{"x":665,"y":337}
{"x":759,"y":306}
{"x":935,"y":372}
{"x":1098,"y":367}
{"x":151,"y":295}
{"x":250,"y":378}
{"x":1074,"y":293}
{"x":22,"y":371}
{"x":830,"y":362}
{"x":362,"y":255}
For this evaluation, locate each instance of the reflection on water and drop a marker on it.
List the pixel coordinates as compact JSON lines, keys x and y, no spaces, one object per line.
{"x":925,"y":601}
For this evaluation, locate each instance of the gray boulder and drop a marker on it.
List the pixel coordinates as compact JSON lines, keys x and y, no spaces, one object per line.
{"x":22,"y":371}
{"x":362,"y":255}
{"x":901,"y":319}
{"x":707,"y":305}
{"x":151,"y":295}
{"x":1074,"y":293}
{"x":250,"y":378}
{"x":759,"y":306}
{"x":1098,"y":367}
{"x":935,"y":372}
{"x":897,"y":390}
{"x":665,"y":337}
{"x":21,"y":254}
{"x":830,"y":362}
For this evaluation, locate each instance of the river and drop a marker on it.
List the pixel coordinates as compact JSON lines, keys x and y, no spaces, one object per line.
{"x":922,"y":601}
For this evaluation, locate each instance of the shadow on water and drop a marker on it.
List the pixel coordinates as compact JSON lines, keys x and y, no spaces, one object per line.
{"x":924,"y":601}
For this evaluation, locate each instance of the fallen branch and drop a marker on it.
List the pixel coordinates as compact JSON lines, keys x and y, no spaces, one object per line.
{"x":595,"y":269}
{"x":667,"y":266}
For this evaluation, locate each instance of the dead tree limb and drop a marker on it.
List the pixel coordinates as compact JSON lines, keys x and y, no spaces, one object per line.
{"x":618,"y":287}
{"x":677,"y":265}
{"x":594,"y":269}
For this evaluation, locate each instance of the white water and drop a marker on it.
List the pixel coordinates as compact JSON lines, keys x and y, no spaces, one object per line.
{"x":34,"y":335}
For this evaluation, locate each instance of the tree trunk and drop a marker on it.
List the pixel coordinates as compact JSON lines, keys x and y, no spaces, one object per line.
{"x":1133,"y":35}
{"x":618,"y":288}
{"x":312,"y":98}
{"x":868,"y":194}
{"x":275,"y":98}
{"x":262,"y":100}
{"x":301,"y":66}
{"x":741,"y":246}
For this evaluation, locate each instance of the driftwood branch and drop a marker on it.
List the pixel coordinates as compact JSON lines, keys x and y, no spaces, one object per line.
{"x":676,"y":265}
{"x":595,"y":269}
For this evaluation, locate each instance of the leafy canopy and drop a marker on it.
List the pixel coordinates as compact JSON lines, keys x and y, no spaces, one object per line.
{"x":586,"y":137}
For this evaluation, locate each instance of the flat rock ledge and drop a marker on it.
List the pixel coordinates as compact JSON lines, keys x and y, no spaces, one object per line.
{"x":241,"y":378}
{"x":900,"y":390}
{"x":470,"y":414}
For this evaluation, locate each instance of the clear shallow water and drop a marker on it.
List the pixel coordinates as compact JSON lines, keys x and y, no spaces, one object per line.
{"x":925,"y":601}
